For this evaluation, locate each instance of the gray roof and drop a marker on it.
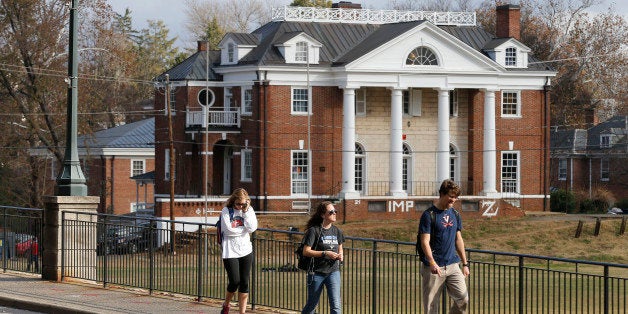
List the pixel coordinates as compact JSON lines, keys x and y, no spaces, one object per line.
{"x":341,"y":44}
{"x":568,"y":141}
{"x":616,"y":126}
{"x":194,"y":68}
{"x":140,"y":134}
{"x":245,"y":39}
{"x":583,"y":141}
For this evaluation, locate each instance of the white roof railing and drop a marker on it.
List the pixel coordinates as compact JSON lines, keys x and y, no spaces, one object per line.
{"x":367,"y":16}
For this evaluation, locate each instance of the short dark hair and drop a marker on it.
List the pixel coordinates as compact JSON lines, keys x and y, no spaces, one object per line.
{"x":447,"y":186}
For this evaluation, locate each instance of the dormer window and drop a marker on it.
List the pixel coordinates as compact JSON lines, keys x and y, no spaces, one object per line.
{"x":511,"y":57}
{"x":298,"y":47}
{"x":231,"y":52}
{"x":301,"y":51}
{"x":422,"y":56}
{"x":605,"y":141}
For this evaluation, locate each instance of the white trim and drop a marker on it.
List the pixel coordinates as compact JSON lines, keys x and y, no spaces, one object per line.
{"x":367,"y":16}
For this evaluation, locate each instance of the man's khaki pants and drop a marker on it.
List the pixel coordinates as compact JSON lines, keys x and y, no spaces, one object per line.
{"x":451,"y":277}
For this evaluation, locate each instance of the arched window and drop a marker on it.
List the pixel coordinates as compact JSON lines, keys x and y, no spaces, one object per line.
{"x":422,"y":56}
{"x":360,"y":166}
{"x":406,"y":174}
{"x":453,"y":163}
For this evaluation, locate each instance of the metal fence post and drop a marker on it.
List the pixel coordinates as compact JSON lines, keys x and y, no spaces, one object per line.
{"x":252,"y":291}
{"x":521,"y":285}
{"x":606,"y":283}
{"x":374,"y":282}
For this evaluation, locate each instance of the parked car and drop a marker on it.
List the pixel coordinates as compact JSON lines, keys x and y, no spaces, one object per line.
{"x":125,"y":239}
{"x":23,"y":243}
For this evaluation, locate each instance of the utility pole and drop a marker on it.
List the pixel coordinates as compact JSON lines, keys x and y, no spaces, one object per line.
{"x":171,"y":165}
{"x":71,"y":180}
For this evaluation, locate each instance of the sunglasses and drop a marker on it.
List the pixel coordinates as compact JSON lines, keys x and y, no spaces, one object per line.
{"x":332,"y":212}
{"x":240,"y":204}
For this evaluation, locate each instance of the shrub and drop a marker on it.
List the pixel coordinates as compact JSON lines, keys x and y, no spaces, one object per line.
{"x":562,"y":201}
{"x":599,"y":203}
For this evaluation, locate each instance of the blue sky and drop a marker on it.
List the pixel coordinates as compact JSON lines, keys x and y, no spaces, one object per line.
{"x":173,"y":15}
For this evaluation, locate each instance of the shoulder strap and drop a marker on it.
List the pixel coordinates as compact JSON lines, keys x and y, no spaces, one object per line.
{"x":230,"y":213}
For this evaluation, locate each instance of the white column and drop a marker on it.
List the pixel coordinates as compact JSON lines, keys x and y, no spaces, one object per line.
{"x":396,"y":143}
{"x":348,"y":144}
{"x":489,"y":155}
{"x":442,"y":150}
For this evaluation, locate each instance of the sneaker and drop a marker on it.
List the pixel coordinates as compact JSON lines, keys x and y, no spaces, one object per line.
{"x":225,"y":308}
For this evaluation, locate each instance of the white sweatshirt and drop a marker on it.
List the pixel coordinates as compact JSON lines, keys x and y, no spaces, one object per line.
{"x":236,"y":240}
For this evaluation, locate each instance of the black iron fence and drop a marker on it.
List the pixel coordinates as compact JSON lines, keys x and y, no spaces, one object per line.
{"x":20,"y":238}
{"x":378,"y":276}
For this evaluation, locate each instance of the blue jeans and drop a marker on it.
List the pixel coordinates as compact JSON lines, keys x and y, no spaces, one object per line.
{"x":315,"y":284}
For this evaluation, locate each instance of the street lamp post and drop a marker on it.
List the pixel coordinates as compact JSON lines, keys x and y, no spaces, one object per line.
{"x":71,"y":180}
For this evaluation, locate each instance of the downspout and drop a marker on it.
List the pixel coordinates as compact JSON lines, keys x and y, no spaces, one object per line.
{"x":261,"y":96}
{"x":103,"y":189}
{"x":113,"y":159}
{"x":546,"y":131}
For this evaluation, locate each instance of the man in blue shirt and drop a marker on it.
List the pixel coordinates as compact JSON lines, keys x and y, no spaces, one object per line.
{"x":444,"y":250}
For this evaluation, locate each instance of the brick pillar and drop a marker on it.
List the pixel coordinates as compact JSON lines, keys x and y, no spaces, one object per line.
{"x":78,"y":240}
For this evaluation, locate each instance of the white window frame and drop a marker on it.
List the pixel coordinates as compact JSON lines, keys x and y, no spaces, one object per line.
{"x":517,"y":104}
{"x":412,"y":102}
{"x":301,"y":52}
{"x":141,"y":170}
{"x":231,"y":52}
{"x":453,"y":103}
{"x":246,"y":167}
{"x":228,"y":97}
{"x":454,"y":163}
{"x":360,"y":102}
{"x":406,"y":168}
{"x":606,"y":140}
{"x":299,"y":102}
{"x":299,"y":181}
{"x":605,"y":169}
{"x":360,"y":169}
{"x":247,"y":100}
{"x":517,"y":179}
{"x":562,"y":169}
{"x":510,"y":57}
{"x":173,"y":102}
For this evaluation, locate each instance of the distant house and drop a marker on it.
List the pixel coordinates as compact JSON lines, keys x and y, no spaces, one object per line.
{"x":369,"y":108}
{"x":585,"y":160}
{"x":118,"y":164}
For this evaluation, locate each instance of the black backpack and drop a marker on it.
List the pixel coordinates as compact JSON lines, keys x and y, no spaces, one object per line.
{"x":219,"y":234}
{"x":417,"y":245}
{"x":305,"y":262}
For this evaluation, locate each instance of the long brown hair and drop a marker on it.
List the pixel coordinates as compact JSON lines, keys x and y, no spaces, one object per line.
{"x":316,"y":219}
{"x":237,"y":194}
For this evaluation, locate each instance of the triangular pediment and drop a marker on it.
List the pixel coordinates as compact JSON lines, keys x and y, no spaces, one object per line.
{"x":452,"y":55}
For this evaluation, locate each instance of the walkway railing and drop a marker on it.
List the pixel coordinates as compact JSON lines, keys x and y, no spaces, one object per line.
{"x":378,"y":276}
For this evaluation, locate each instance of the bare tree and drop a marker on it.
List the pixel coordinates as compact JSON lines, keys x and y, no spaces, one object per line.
{"x":229,"y":15}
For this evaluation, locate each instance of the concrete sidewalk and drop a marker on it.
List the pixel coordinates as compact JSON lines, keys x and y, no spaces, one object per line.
{"x":30,"y":292}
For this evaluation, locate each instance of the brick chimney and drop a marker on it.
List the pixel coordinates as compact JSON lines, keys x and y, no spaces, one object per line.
{"x":201,"y":45}
{"x":508,"y":21}
{"x":590,"y":117}
{"x":346,"y":5}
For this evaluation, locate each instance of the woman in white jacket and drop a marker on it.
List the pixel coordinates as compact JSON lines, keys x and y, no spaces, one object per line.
{"x":238,"y":221}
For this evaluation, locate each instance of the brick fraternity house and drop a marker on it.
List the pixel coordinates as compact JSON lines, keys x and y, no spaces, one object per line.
{"x":584,"y":160}
{"x":372,"y":109}
{"x":118,"y":164}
